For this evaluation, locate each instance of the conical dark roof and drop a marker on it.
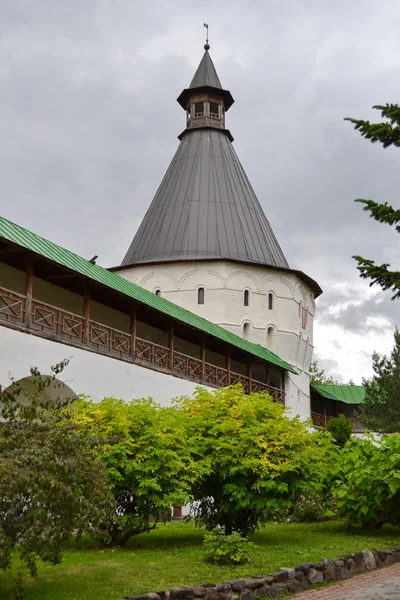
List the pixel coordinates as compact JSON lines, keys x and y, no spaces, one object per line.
{"x":206,"y":75}
{"x":205,"y":208}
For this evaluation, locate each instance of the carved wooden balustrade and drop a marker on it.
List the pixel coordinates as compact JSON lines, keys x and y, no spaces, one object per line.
{"x":12,"y":306}
{"x":322,"y":421}
{"x":61,"y":325}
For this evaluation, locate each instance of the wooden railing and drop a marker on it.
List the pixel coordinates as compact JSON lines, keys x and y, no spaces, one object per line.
{"x":321,"y":421}
{"x":58,"y":324}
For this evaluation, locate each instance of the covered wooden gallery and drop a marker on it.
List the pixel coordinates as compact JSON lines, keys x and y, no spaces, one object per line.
{"x":52,"y":293}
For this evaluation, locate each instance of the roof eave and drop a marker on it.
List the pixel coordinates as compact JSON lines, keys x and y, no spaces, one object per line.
{"x":188,"y":92}
{"x":308,"y":280}
{"x":190,"y":130}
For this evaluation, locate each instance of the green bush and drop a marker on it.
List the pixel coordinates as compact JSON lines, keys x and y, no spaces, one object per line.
{"x":254,"y":459}
{"x":149,"y":459}
{"x":224,"y":549}
{"x":313,"y":508}
{"x":367,"y":486}
{"x":340,"y":428}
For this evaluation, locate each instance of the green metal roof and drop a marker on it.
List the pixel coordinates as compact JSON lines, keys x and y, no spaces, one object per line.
{"x":26,"y":239}
{"x":350,"y":394}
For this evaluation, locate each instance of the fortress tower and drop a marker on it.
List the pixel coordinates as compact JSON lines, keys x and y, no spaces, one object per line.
{"x":206,"y":244}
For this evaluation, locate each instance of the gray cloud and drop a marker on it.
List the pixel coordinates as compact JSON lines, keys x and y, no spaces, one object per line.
{"x":89,"y":123}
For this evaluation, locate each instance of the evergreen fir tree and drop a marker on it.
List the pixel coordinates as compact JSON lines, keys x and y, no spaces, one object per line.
{"x":381,"y":408}
{"x":388,"y":134}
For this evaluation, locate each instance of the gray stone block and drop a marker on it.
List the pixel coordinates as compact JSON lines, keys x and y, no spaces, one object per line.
{"x":302,"y":578}
{"x":237,"y":584}
{"x":253,"y":583}
{"x":278,"y":588}
{"x":341,"y":573}
{"x":305,"y":567}
{"x":359,"y":560}
{"x":223,"y":587}
{"x":247,"y":594}
{"x":294,"y":585}
{"x":280,"y":576}
{"x":369,"y":560}
{"x":315,"y":576}
{"x":291,"y":572}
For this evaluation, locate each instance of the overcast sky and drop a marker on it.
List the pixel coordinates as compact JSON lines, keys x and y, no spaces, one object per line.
{"x":88,"y":123}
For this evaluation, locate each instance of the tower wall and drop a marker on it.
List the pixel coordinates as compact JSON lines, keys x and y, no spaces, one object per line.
{"x":286,"y":328}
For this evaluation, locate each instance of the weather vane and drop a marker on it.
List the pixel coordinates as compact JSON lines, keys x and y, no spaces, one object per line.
{"x":206,"y":45}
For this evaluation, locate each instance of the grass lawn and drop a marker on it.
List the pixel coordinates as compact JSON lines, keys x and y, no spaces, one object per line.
{"x":172,"y":556}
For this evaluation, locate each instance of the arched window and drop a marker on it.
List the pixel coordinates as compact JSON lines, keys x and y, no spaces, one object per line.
{"x":270,"y":338}
{"x":246,"y":297}
{"x":200,"y":296}
{"x":270,"y":301}
{"x":158,"y":292}
{"x":246,"y":331}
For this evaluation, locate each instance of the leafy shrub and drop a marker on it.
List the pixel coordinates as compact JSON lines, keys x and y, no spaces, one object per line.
{"x":367,"y":486}
{"x":224,"y":549}
{"x":340,"y":428}
{"x":149,"y":459}
{"x":51,"y":485}
{"x":313,"y":509}
{"x":254,"y":459}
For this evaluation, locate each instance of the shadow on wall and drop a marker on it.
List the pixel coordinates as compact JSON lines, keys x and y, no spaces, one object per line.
{"x":56,"y":391}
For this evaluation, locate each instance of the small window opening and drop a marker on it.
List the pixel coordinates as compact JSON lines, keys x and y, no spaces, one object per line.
{"x":246,"y":331}
{"x":199,"y":109}
{"x":246,"y":297}
{"x":158,"y":292}
{"x":214,"y":110}
{"x":200,"y":296}
{"x":270,"y":301}
{"x":270,"y":338}
{"x":304,"y":315}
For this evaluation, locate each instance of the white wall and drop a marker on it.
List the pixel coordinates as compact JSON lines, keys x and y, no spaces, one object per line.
{"x":87,"y":373}
{"x":224,"y":284}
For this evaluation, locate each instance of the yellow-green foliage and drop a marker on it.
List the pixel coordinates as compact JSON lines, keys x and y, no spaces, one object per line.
{"x":254,"y":458}
{"x":149,"y":458}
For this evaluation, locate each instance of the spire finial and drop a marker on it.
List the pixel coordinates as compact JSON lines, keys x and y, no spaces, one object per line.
{"x":206,"y":45}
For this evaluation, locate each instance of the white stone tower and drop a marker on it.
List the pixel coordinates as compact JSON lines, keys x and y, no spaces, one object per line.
{"x":206,"y":244}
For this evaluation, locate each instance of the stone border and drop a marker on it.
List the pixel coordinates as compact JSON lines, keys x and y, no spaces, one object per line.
{"x":283,"y":581}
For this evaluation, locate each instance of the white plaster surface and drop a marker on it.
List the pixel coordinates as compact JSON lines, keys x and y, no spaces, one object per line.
{"x":224,"y":284}
{"x":87,"y":373}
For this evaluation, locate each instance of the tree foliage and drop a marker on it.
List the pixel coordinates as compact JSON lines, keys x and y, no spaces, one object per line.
{"x":254,"y":458}
{"x":319,"y":376}
{"x":149,"y":458}
{"x":51,"y":486}
{"x":388,"y":134}
{"x":381,"y":408}
{"x":340,"y":428}
{"x":367,"y":487}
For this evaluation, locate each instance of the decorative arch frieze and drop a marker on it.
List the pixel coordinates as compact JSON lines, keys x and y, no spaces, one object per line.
{"x":233,"y":274}
{"x":218,"y":275}
{"x":254,"y":279}
{"x":185,"y":276}
{"x":178,"y":281}
{"x":264,"y":280}
{"x":146,"y":278}
{"x":289,"y":285}
{"x":131,"y":277}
